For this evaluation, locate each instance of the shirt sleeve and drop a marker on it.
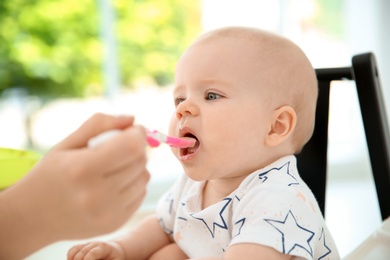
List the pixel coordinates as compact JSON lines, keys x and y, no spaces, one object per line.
{"x":168,"y":203}
{"x":279,"y":217}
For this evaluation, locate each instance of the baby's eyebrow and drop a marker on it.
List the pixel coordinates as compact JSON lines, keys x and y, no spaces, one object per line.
{"x":216,"y":82}
{"x":212,"y":81}
{"x":177,"y":88}
{"x":181,"y":88}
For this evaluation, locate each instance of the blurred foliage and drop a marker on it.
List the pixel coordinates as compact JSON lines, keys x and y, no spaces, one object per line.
{"x":53,"y":47}
{"x":330,"y":16}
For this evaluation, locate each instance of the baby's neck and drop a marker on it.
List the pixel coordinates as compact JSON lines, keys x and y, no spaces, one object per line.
{"x":216,"y":190}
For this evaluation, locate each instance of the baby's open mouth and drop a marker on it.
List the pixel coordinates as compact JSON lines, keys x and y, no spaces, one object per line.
{"x":190,"y":150}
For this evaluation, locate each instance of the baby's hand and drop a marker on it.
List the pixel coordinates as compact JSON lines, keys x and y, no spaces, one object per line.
{"x":96,"y":250}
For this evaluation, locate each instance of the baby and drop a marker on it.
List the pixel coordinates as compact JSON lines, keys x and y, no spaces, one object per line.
{"x":248,"y":97}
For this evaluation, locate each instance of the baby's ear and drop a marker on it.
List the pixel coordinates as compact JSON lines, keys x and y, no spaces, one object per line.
{"x":282,"y":125}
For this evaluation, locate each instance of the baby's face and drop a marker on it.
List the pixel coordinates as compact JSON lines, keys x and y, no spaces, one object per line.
{"x":221,"y":101}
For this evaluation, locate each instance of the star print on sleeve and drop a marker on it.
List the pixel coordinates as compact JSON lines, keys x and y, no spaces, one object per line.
{"x":239,"y":223}
{"x":222,"y":214}
{"x":324,"y":250}
{"x":284,"y":169}
{"x":165,"y":228}
{"x":293,"y":235}
{"x":182,"y":218}
{"x":169,"y":200}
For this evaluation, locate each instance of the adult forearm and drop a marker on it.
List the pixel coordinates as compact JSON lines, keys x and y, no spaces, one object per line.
{"x":22,"y":232}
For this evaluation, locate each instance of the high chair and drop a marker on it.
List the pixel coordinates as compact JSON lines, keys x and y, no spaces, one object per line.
{"x":312,"y":161}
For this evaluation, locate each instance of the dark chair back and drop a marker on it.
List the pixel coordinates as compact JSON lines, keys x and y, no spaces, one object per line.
{"x":312,"y":161}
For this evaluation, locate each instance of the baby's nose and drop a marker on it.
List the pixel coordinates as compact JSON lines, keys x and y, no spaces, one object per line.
{"x":186,"y":108}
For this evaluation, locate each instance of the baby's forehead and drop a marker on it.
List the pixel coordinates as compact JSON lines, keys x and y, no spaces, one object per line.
{"x":264,"y":46}
{"x":259,"y":52}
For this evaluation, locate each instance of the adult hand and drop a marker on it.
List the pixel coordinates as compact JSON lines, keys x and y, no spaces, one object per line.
{"x":74,"y":191}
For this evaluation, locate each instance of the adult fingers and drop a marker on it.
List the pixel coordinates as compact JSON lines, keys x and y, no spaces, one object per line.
{"x":127,"y":198}
{"x":95,"y":125}
{"x":140,"y":181}
{"x":109,"y":202}
{"x":135,"y":201}
{"x":124,"y":149}
{"x":126,"y":177}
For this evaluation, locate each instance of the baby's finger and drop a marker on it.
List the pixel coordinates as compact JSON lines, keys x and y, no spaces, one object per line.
{"x":101,"y":252}
{"x":84,"y":251}
{"x":74,"y":250}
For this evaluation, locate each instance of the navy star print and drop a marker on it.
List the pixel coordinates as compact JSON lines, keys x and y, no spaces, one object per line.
{"x":326,"y":250}
{"x":164,"y":227}
{"x":293,"y":235}
{"x":222,"y":224}
{"x":285,"y":168}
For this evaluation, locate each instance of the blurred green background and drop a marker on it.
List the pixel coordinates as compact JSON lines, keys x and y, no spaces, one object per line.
{"x":54,"y":48}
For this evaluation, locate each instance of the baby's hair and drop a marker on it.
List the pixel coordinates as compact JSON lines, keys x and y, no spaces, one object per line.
{"x":287,"y":70}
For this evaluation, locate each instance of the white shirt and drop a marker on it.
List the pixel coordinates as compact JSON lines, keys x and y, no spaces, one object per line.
{"x":271,"y":207}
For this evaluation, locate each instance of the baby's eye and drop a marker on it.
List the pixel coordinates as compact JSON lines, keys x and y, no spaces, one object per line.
{"x":212,"y":96}
{"x":178,"y":101}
